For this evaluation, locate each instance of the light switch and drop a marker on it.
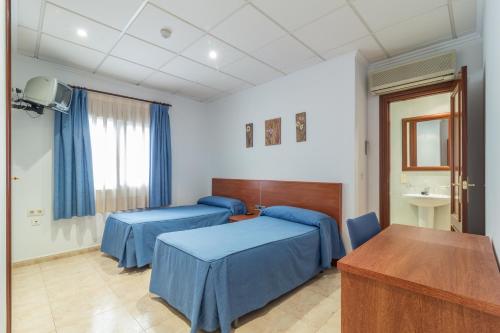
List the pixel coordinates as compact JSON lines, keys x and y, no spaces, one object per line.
{"x":403,"y":178}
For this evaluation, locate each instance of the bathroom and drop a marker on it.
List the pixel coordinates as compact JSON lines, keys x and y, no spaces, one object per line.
{"x":420,"y":161}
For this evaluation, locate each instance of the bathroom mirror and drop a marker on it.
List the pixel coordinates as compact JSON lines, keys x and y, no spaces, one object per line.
{"x":426,"y":143}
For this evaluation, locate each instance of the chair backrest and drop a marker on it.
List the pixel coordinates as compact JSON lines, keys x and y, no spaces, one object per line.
{"x":362,"y":228}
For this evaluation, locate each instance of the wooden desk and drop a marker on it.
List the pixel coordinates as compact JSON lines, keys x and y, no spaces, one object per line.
{"x":409,"y":279}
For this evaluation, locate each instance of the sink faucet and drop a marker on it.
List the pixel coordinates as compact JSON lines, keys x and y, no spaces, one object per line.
{"x":426,"y":190}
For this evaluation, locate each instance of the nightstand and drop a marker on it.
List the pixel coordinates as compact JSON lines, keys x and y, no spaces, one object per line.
{"x":238,"y":218}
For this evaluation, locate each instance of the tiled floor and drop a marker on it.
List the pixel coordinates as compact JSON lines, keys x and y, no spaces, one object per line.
{"x":88,"y":293}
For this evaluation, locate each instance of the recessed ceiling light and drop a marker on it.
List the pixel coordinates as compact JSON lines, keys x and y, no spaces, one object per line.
{"x":81,"y":33}
{"x":212,"y":54}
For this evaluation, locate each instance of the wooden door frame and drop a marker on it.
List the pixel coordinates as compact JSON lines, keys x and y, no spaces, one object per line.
{"x":8,"y":198}
{"x":385,"y":139}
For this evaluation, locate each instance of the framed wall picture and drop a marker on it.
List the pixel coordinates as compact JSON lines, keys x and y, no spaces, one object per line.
{"x":300,"y":126}
{"x":273,"y":132}
{"x":249,"y":135}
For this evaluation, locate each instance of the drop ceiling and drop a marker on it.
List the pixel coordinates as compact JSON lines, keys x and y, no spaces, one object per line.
{"x":256,"y":40}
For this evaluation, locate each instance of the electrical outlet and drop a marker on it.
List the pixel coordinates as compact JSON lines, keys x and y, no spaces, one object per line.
{"x":34,"y":212}
{"x":35,"y":222}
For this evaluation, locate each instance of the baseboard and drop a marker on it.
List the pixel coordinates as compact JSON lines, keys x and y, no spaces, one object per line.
{"x":55,"y":256}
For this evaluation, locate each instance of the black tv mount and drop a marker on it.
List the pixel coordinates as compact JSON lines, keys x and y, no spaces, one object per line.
{"x":21,"y":104}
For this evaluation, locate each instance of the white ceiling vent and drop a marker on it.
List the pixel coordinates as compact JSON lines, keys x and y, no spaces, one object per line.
{"x":435,"y":69}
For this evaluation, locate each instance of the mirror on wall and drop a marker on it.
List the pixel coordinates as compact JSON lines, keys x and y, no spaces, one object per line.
{"x":426,"y":143}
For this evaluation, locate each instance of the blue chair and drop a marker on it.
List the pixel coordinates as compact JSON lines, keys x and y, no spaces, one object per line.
{"x":362,"y":228}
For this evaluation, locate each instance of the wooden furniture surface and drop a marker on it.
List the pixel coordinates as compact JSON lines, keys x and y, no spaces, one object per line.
{"x":238,"y":218}
{"x":409,"y":279}
{"x":409,"y":142}
{"x":245,"y":190}
{"x":322,"y":197}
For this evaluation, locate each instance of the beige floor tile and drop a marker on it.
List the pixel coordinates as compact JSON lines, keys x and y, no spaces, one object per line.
{"x":171,"y":325}
{"x":89,"y":293}
{"x":32,"y":320}
{"x":26,"y":270}
{"x":29,"y":296}
{"x":332,"y":325}
{"x":115,"y":320}
{"x":302,"y":302}
{"x":79,"y":307}
{"x":150,"y":311}
{"x":321,"y":313}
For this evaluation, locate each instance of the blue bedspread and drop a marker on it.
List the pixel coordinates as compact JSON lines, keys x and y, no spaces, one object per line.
{"x":215,"y":275}
{"x":130,"y":237}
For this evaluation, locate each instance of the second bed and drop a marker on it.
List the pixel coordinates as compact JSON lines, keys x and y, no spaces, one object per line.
{"x":215,"y":275}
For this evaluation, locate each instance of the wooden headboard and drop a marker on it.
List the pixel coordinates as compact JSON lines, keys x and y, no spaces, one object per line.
{"x":322,"y":197}
{"x":247,"y":191}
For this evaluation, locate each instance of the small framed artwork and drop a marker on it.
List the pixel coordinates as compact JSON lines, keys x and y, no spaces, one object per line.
{"x":273,"y":132}
{"x":300,"y":126}
{"x":249,"y":134}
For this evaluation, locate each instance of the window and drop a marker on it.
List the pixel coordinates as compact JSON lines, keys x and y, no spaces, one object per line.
{"x":119,"y":131}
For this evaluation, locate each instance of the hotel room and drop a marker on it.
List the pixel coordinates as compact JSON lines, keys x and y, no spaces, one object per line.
{"x":243,"y":166}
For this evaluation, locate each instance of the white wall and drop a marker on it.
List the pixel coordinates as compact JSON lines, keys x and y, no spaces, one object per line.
{"x":415,"y":181}
{"x":469,"y":53}
{"x":327,"y":92}
{"x":32,"y":162}
{"x":3,"y":272}
{"x":491,"y":32}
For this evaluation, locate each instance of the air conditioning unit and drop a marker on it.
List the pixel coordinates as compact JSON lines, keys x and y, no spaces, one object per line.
{"x":434,"y":69}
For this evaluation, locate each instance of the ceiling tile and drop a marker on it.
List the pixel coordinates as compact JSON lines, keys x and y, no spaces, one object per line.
{"x":381,"y":14}
{"x":186,"y":68}
{"x":124,"y":70}
{"x":293,"y":14}
{"x":252,"y":71}
{"x":63,"y":24}
{"x":366,"y":45}
{"x":207,"y":13}
{"x":464,"y":13}
{"x":193,"y":71}
{"x":28,"y":13}
{"x":148,"y":24}
{"x":164,"y":81}
{"x":225,"y":54}
{"x":26,"y":41}
{"x":332,"y":31}
{"x":221,"y":81}
{"x":69,"y":54}
{"x":100,"y":10}
{"x":138,"y":51}
{"x":418,"y":32}
{"x":248,"y":29}
{"x":285,"y":52}
{"x":197,"y":92}
{"x":302,"y":64}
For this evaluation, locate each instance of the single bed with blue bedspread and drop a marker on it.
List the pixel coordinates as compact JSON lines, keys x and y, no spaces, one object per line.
{"x":215,"y":275}
{"x":130,"y":236}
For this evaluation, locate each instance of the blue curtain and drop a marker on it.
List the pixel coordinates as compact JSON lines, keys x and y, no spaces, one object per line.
{"x":160,"y":157}
{"x":73,"y":178}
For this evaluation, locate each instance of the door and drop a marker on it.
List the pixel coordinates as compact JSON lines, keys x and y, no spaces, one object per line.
{"x":458,"y":167}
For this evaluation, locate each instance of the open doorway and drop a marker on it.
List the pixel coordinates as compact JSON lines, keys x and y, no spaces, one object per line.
{"x":452,"y":159}
{"x":420,"y":161}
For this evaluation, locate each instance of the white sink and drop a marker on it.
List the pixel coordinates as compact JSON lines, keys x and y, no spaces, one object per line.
{"x":430,"y":200}
{"x":426,"y":205}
